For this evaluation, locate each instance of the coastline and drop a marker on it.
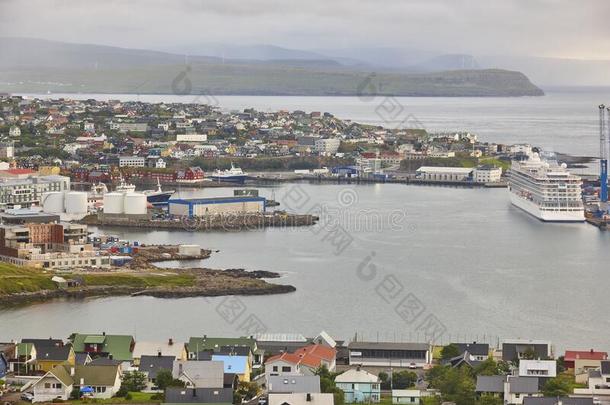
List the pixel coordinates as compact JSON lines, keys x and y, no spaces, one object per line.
{"x":142,"y":277}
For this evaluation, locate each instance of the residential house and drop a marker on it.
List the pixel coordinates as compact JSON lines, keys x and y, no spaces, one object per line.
{"x":581,"y":362}
{"x":234,"y":364}
{"x":389,"y":354}
{"x":179,"y":395}
{"x":304,"y":361}
{"x":276,"y":343}
{"x":301,"y":399}
{"x":7,"y":352}
{"x":48,"y":357}
{"x":3,"y":365}
{"x":477,"y":351}
{"x":24,"y":361}
{"x":190,"y":175}
{"x":600,"y":379}
{"x":293,"y":384}
{"x":199,"y":374}
{"x":151,"y":365}
{"x":511,"y":389}
{"x":538,"y":368}
{"x":105,"y":380}
{"x":406,"y":396}
{"x":168,"y":348}
{"x":118,"y":347}
{"x":57,"y":383}
{"x":518,"y":348}
{"x":325,"y":339}
{"x":197,"y":345}
{"x":558,"y":401}
{"x":359,"y":386}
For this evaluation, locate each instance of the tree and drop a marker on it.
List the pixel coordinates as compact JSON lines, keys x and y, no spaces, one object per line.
{"x":166,"y":379}
{"x":455,"y":384}
{"x":385,"y":380}
{"x":450,"y":351}
{"x":560,"y":386}
{"x":403,"y":379}
{"x":134,"y":381}
{"x":247,"y":390}
{"x":491,"y":367}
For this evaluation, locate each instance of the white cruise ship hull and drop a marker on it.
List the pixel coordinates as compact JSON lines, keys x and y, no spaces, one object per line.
{"x":546,"y":215}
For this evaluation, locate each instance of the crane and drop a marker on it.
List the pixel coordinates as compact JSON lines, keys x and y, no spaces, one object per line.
{"x":603,"y":155}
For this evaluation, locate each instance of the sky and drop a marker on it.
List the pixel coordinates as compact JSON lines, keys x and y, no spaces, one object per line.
{"x":558,"y":28}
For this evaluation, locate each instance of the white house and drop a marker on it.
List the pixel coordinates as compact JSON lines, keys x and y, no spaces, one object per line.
{"x":538,"y":368}
{"x":132,"y":161}
{"x":191,"y":138}
{"x":302,"y":399}
{"x":56,"y":383}
{"x":406,"y":396}
{"x":14,"y":132}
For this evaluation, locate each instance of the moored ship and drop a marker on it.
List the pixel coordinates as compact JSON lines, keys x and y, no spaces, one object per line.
{"x":232,"y":175}
{"x":546,"y":190}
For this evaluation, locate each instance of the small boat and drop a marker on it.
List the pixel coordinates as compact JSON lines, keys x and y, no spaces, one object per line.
{"x":158,"y":197}
{"x":232,"y":175}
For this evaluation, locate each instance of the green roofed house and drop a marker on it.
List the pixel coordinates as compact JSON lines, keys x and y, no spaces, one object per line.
{"x":117,"y":347}
{"x":101,"y":382}
{"x":196,"y":345}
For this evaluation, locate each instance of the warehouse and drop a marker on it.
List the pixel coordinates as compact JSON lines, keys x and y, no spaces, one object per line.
{"x":220,"y":205}
{"x":444,"y":173}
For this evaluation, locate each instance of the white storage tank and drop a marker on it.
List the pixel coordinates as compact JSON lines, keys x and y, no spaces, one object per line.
{"x":135,"y":204}
{"x":113,"y":203}
{"x":52,"y":202}
{"x":76,"y":202}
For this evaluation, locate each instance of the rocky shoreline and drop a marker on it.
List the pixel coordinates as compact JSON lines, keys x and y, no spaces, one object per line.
{"x":149,"y":281}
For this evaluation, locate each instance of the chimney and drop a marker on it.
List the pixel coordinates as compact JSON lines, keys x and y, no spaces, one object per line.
{"x":308,"y":399}
{"x":72,"y":371}
{"x":110,"y":356}
{"x":159,"y":353}
{"x":170,"y":342}
{"x":82,"y":382}
{"x":104,"y":333}
{"x":591,"y":351}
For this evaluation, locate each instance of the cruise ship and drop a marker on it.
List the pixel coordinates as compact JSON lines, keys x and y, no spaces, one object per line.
{"x":546,"y":190}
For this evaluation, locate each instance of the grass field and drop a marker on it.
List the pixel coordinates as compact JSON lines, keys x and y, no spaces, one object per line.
{"x":16,"y":279}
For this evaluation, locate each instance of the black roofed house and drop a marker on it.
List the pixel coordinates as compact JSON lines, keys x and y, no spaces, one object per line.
{"x":230,"y":380}
{"x":558,"y":401}
{"x":464,"y":359}
{"x":512,"y":389}
{"x":600,"y":379}
{"x":82,"y":358}
{"x":387,"y":354}
{"x":179,"y":395}
{"x":151,"y":365}
{"x":517,"y":349}
{"x":477,"y":351}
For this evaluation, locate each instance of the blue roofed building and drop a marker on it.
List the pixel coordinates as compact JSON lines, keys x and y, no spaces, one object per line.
{"x":234,"y":364}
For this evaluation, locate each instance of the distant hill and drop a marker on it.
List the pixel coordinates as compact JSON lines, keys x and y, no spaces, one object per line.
{"x":32,"y":65}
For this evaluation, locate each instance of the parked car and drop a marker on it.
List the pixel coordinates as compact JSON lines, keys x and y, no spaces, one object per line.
{"x":412,"y":366}
{"x":26,"y":396}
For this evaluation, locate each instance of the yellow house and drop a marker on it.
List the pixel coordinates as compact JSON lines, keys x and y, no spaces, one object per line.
{"x":48,"y":170}
{"x":47,"y":357}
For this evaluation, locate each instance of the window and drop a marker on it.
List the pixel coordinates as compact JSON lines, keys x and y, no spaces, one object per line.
{"x":274,"y":368}
{"x":47,"y":385}
{"x":286,"y":369}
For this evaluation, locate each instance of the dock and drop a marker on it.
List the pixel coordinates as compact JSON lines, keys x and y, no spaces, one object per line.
{"x":208,"y":223}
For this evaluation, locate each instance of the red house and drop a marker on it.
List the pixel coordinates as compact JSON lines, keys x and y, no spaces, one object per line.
{"x":190,"y":175}
{"x":572,"y":355}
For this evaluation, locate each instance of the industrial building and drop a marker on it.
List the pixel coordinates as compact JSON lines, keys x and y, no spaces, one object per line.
{"x":27,"y":215}
{"x":219,"y":205}
{"x":49,"y":245}
{"x":433,"y":173}
{"x":487,"y":174}
{"x":28,"y":191}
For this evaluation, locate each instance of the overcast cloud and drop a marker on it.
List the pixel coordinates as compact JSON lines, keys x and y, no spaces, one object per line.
{"x":560,"y":28}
